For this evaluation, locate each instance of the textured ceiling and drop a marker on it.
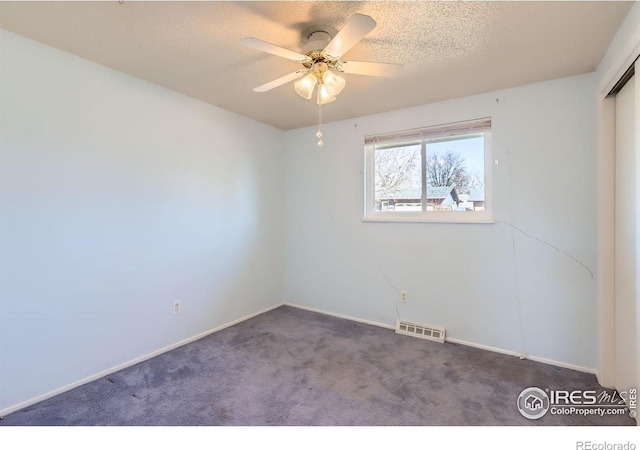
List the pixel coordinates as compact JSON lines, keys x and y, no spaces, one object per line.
{"x":449,"y":49}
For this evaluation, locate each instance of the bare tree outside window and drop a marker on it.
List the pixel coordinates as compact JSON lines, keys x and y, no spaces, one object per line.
{"x":447,"y":168}
{"x":397,"y":170}
{"x":476,"y":179}
{"x":456,"y":162}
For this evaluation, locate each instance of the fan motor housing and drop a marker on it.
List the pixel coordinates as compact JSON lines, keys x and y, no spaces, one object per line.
{"x":318,"y":40}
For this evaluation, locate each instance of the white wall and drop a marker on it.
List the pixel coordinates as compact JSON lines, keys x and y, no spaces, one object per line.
{"x":118,"y":197}
{"x":468,"y":278}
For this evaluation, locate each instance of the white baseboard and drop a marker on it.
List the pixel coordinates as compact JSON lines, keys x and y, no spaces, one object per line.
{"x":454,"y":341}
{"x":140,"y":359}
{"x":341,"y":316}
{"x":563,"y":364}
{"x":129,"y":363}
{"x":551,"y":362}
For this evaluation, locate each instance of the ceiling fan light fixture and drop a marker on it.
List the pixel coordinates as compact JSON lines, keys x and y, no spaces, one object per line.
{"x":324,"y":96}
{"x":334,"y":83}
{"x":319,"y":55}
{"x":304,"y":86}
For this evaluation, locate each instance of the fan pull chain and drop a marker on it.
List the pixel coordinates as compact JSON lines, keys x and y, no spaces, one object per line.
{"x":319,"y":133}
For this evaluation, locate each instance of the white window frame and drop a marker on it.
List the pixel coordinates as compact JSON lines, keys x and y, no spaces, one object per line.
{"x":438,"y":132}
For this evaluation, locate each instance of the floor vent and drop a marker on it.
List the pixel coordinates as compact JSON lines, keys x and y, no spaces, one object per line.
{"x":420,"y":331}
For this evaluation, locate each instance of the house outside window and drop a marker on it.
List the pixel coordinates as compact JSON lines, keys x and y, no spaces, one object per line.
{"x":433,"y":174}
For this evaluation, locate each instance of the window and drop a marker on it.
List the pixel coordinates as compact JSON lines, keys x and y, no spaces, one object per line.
{"x":433,"y":174}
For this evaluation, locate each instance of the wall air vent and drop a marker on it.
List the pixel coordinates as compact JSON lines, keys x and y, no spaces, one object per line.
{"x":420,"y":331}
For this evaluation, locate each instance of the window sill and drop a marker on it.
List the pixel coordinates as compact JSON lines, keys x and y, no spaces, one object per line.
{"x":416,"y":219}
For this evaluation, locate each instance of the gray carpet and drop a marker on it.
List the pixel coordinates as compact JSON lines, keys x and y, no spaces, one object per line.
{"x":294,"y":367}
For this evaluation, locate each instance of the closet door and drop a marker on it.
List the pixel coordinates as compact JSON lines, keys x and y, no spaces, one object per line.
{"x":626,"y":238}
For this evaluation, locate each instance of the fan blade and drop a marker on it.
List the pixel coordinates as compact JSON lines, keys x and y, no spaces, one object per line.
{"x":372,"y":68}
{"x":354,"y":30}
{"x":280,"y":81}
{"x":273,"y":49}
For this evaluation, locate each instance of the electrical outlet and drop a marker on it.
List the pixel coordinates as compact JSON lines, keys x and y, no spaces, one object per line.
{"x":177,"y":307}
{"x":403,"y":297}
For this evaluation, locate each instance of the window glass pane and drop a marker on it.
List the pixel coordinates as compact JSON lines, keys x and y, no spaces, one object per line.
{"x":431,"y":174}
{"x":455,"y":174}
{"x":397,"y":179}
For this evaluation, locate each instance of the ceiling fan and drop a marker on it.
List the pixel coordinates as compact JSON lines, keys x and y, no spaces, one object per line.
{"x":320,"y":55}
